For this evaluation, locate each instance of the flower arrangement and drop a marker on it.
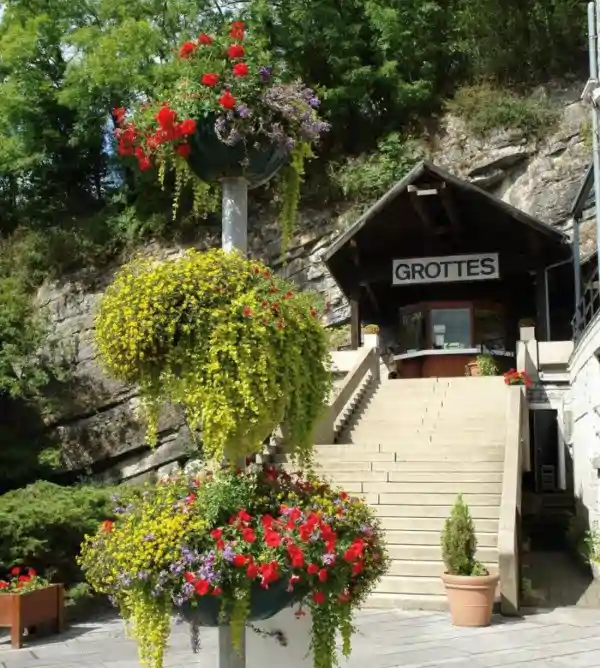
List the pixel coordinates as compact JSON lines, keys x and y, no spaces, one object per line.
{"x":225,"y":87}
{"x":512,"y":377}
{"x":219,"y":335}
{"x":22,"y":580}
{"x":230,"y":546}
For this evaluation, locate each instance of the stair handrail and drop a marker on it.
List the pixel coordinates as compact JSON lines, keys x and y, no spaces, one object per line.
{"x":367,"y":362}
{"x":509,"y":532}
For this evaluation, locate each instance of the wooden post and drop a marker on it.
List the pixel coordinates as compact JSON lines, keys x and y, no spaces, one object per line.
{"x":355,"y":337}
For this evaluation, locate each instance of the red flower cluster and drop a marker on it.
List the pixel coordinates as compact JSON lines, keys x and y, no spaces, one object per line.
{"x":512,"y":377}
{"x":18,"y":578}
{"x":234,"y":51}
{"x":131,"y":143}
{"x":290,"y":540}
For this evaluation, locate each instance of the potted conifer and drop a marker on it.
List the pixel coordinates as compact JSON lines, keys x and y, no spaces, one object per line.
{"x":469,"y":585}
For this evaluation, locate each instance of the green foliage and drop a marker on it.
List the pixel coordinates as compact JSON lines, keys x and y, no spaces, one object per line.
{"x":222,"y":337}
{"x":42,"y":526}
{"x":459,"y":542}
{"x":487,"y":365}
{"x":371,"y":175}
{"x":486,"y":108}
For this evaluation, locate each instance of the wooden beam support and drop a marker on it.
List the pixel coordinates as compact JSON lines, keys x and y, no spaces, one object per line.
{"x":355,"y":323}
{"x":357,"y":264}
{"x":420,"y":208}
{"x":451,"y":211}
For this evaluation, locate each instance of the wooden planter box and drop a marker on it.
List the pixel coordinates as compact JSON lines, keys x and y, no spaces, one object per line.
{"x":23,"y":611}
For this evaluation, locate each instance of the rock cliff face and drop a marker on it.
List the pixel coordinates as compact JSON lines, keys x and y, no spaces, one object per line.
{"x":99,"y":422}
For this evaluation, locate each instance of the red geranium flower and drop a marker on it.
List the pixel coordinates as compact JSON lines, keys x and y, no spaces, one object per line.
{"x":217,"y":591}
{"x":318,"y":597}
{"x":248,"y":535}
{"x":32,"y":572}
{"x":312,"y":569}
{"x":107,"y":526}
{"x":235,"y":51}
{"x":252,"y":571}
{"x":4,"y":584}
{"x":119,"y":114}
{"x":209,"y":79}
{"x":188,"y":127}
{"x":166,"y":117}
{"x":216,"y":534}
{"x":240,"y":70}
{"x":187,"y":49}
{"x":227,"y":101}
{"x":183,"y":150}
{"x":237,"y":30}
{"x":247,"y":311}
{"x":205,"y":40}
{"x":239,"y":560}
{"x":202,"y":587}
{"x":16,"y":570}
{"x":272,"y":539}
{"x":323,"y":575}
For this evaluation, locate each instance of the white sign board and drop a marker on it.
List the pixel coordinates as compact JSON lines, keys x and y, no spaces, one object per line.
{"x":445,"y":269}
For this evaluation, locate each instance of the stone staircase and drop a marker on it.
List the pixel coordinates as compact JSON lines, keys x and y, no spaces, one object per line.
{"x":409,"y":448}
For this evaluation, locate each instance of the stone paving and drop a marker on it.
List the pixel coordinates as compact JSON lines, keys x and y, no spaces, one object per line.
{"x":561,"y":638}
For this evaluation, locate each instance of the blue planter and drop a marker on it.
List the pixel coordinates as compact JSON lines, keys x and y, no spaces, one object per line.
{"x":264,"y":604}
{"x":211,"y":160}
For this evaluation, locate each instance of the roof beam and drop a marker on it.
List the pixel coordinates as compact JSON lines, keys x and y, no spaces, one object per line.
{"x":451,"y":210}
{"x":419,"y":207}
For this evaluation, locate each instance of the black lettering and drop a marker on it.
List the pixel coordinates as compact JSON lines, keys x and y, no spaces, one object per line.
{"x":417,"y":271}
{"x":459,"y":267}
{"x":445,"y":264}
{"x":433,"y":270}
{"x":488,"y":266}
{"x":402,"y":271}
{"x":473,"y":268}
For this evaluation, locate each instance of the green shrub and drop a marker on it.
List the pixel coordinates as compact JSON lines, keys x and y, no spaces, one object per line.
{"x":486,"y":108}
{"x":459,"y":542}
{"x":371,"y":175}
{"x":487,"y":365}
{"x":43,"y":525}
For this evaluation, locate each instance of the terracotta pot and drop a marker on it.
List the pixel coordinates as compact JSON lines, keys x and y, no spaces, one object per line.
{"x":473,"y":369}
{"x":471,"y":598}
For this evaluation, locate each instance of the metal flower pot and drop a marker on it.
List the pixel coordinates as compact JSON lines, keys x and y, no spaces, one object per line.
{"x":211,"y":160}
{"x":264,"y":604}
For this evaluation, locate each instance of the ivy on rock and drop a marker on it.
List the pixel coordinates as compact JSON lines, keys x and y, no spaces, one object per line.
{"x":223,"y":337}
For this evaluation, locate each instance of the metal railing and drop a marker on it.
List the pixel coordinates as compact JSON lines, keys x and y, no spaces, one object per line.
{"x":587,"y":308}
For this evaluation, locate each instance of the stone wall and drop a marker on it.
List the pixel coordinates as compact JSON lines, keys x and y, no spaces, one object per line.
{"x":99,"y":419}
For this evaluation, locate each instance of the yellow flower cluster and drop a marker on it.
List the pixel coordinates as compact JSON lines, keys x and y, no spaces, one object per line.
{"x":217,"y":334}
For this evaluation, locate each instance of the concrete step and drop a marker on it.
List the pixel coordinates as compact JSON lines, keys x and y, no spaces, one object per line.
{"x":406,"y":602}
{"x":487,"y":555}
{"x":413,"y":438}
{"x":435,"y":468}
{"x":423,"y":569}
{"x":330,"y":465}
{"x":441,"y":499}
{"x":403,"y":477}
{"x":405,"y":538}
{"x":337,"y":455}
{"x":397,"y":584}
{"x":441,"y":511}
{"x":443,"y":476}
{"x":433,"y":487}
{"x":492,"y":453}
{"x":434,"y":524}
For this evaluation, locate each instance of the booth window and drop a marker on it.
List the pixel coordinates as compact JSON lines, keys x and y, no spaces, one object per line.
{"x":450,"y":327}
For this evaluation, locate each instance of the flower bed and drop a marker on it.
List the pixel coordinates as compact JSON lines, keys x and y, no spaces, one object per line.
{"x":230,"y":112}
{"x":27,"y":600}
{"x":232,"y":546}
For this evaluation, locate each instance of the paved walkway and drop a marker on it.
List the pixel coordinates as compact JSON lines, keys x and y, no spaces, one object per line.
{"x":562,"y":638}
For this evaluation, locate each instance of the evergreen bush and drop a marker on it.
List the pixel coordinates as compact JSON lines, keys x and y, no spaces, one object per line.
{"x":459,"y":542}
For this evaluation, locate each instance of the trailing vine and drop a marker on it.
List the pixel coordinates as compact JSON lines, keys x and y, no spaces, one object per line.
{"x":221,"y":336}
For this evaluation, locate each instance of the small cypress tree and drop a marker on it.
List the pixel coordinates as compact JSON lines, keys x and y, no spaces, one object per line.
{"x":459,"y":542}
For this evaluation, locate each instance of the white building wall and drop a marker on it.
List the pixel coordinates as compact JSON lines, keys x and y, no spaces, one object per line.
{"x":584,"y":404}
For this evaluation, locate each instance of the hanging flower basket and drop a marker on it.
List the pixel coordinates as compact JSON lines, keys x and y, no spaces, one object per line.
{"x":211,"y":160}
{"x":234,"y":546}
{"x":230,"y":112}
